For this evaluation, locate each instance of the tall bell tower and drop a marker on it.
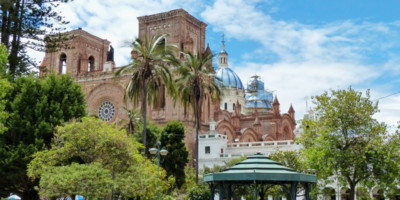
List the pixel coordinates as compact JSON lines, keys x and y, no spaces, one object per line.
{"x":184,"y":31}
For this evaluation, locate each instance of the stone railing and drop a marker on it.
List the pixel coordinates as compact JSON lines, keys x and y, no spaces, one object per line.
{"x":210,"y":136}
{"x":261,"y":144}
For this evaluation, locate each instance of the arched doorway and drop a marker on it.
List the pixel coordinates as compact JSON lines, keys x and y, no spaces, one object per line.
{"x":62,"y":68}
{"x":345,"y":194}
{"x":329,"y":193}
{"x":377,"y":194}
{"x":91,"y":64}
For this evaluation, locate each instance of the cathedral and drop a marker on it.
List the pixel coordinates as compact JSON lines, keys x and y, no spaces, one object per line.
{"x":246,"y":113}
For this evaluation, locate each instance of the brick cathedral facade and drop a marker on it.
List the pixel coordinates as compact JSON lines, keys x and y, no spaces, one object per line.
{"x":90,"y":62}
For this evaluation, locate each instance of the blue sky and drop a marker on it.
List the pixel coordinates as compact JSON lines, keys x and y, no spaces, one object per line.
{"x":300,"y":48}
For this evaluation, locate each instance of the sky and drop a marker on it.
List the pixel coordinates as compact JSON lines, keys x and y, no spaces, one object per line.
{"x":299,"y":48}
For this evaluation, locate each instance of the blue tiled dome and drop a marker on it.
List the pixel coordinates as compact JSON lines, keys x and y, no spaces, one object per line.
{"x":257,"y":96}
{"x":228,"y":78}
{"x":262,"y":99}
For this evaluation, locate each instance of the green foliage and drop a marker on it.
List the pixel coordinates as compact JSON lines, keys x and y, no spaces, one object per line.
{"x":5,"y":87}
{"x":89,"y":180}
{"x":220,"y":168}
{"x":189,"y":178}
{"x":35,"y":106}
{"x":23,"y":25}
{"x":135,"y":121}
{"x":344,"y":139}
{"x":291,"y":159}
{"x":172,"y":139}
{"x":93,"y":141}
{"x":199,"y":192}
{"x":3,"y":60}
{"x":150,"y":73}
{"x":153,"y":133}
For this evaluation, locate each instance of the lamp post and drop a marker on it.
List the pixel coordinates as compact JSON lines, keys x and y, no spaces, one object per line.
{"x":158,"y":152}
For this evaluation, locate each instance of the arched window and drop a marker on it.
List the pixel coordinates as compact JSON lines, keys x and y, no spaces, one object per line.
{"x":233,"y":106}
{"x":62,"y":68}
{"x":225,"y":106}
{"x":160,"y":104}
{"x":91,"y":64}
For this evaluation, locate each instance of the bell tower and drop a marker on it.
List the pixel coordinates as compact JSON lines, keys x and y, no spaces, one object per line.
{"x":86,"y":53}
{"x":184,"y":31}
{"x":223,"y":55}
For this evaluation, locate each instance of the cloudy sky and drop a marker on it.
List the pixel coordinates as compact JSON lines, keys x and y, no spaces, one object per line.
{"x":299,"y":48}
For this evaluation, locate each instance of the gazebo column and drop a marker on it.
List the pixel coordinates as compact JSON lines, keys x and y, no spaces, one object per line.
{"x":212,"y":191}
{"x":221,"y":190}
{"x":262,"y":192}
{"x":255,"y":190}
{"x":229,"y":188}
{"x":307,"y":190}
{"x":293,"y":191}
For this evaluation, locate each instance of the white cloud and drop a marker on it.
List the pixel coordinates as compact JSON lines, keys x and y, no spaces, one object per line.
{"x":311,"y":59}
{"x":294,"y":83}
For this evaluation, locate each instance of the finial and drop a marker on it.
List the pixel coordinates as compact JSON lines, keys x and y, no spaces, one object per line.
{"x":223,"y":42}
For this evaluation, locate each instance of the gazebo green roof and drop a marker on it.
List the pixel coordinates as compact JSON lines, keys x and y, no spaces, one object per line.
{"x":259,"y":168}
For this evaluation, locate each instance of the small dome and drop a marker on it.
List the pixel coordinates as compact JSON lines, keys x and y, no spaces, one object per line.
{"x":257,"y":96}
{"x":262,"y":99}
{"x":228,"y":78}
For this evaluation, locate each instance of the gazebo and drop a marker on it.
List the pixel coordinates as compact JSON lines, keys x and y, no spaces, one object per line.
{"x":258,"y":170}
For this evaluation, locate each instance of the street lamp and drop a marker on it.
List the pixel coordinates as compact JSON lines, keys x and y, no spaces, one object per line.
{"x":158,"y":152}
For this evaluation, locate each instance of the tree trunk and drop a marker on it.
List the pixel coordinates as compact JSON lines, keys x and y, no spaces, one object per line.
{"x":197,"y":103}
{"x":144,"y":113}
{"x":197,"y":120}
{"x":30,"y":193}
{"x":352,"y":191}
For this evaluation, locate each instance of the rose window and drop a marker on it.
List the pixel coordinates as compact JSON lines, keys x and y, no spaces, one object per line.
{"x":106,"y":111}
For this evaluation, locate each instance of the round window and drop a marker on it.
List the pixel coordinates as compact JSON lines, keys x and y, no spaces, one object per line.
{"x":106,"y":111}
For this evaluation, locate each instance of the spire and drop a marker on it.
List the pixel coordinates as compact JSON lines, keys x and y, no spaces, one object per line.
{"x":223,"y":44}
{"x":223,"y":55}
{"x":257,"y":125}
{"x":207,"y":50}
{"x":276,"y":102}
{"x":276,"y":106}
{"x":291,"y":110}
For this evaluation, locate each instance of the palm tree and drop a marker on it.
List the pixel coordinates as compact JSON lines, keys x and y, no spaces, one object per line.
{"x":195,"y":80}
{"x":150,"y":71}
{"x":135,"y":120}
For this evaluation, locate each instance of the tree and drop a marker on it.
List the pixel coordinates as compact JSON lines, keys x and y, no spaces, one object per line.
{"x":94,"y":144}
{"x":90,"y":180}
{"x":5,"y":87}
{"x":227,"y":165}
{"x":153,"y":133}
{"x":343,"y":139}
{"x":291,"y":159}
{"x":199,"y":192}
{"x":193,"y":84}
{"x":172,"y":139}
{"x":3,"y":60}
{"x":35,"y":107}
{"x":134,"y":120}
{"x":23,"y":25}
{"x":150,"y":73}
